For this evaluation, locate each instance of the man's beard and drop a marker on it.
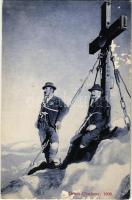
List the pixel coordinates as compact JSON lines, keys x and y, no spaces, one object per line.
{"x":95,"y":98}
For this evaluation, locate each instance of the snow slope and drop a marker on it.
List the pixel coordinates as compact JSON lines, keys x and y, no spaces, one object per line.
{"x":99,"y":178}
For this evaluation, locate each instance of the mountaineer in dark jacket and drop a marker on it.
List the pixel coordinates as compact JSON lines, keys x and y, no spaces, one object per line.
{"x":52,"y":111}
{"x":97,"y":118}
{"x":95,"y":122}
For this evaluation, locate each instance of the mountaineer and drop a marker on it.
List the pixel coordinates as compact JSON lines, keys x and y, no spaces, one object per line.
{"x":52,"y":111}
{"x":96,"y":121}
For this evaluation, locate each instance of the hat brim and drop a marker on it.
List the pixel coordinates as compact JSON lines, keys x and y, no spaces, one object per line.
{"x":48,"y":86}
{"x":90,"y":90}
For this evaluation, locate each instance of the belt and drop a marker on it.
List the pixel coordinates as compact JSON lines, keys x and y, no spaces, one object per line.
{"x":51,"y":109}
{"x":95,"y":113}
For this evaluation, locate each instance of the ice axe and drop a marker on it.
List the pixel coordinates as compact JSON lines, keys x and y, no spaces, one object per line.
{"x":38,"y":154}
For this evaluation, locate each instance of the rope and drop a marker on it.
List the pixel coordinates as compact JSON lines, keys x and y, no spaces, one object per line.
{"x":32,"y":163}
{"x":122,"y":102}
{"x":80,"y":88}
{"x":124,"y":85}
{"x":78,"y":91}
{"x":98,"y":68}
{"x":112,"y":59}
{"x":38,"y":154}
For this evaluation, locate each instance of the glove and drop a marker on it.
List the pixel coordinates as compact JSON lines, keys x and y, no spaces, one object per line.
{"x":91,"y":127}
{"x":82,"y":146}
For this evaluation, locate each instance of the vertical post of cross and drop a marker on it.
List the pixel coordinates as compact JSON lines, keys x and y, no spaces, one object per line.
{"x":105,"y":15}
{"x":105,"y":24}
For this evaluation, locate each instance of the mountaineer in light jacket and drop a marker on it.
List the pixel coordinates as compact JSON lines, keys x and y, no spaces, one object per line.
{"x":52,"y":112}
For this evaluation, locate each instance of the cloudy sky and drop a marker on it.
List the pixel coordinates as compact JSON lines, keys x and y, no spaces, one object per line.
{"x":48,"y":41}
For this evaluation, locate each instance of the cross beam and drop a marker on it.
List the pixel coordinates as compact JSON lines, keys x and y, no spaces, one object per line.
{"x":107,"y":33}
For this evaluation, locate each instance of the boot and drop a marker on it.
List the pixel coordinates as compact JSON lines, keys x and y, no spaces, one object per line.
{"x":65,"y":163}
{"x":72,"y":156}
{"x":42,"y":166}
{"x":68,"y":159}
{"x":51,"y":165}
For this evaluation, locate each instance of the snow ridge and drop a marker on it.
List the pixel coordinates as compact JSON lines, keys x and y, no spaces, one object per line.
{"x":101,"y":177}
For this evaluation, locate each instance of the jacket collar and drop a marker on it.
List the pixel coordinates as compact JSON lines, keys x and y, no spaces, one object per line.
{"x":49,"y":98}
{"x":99,"y":100}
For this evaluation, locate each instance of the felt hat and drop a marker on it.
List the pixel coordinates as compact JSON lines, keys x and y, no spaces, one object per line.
{"x":95,"y":87}
{"x":49,"y":84}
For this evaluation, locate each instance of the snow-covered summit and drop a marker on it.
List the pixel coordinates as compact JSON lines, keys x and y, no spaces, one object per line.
{"x":101,"y":177}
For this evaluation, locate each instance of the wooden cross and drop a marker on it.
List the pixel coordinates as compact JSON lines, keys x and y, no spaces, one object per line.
{"x":103,"y":41}
{"x":107,"y":33}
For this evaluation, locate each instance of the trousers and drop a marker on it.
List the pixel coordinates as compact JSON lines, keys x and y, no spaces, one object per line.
{"x":86,"y":138}
{"x":50,"y":132}
{"x":90,"y":136}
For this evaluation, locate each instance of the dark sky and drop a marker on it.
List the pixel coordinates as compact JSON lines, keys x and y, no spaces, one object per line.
{"x":48,"y":41}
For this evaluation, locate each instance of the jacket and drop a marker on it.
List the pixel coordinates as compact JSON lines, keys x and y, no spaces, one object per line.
{"x":99,"y":114}
{"x":54,"y":110}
